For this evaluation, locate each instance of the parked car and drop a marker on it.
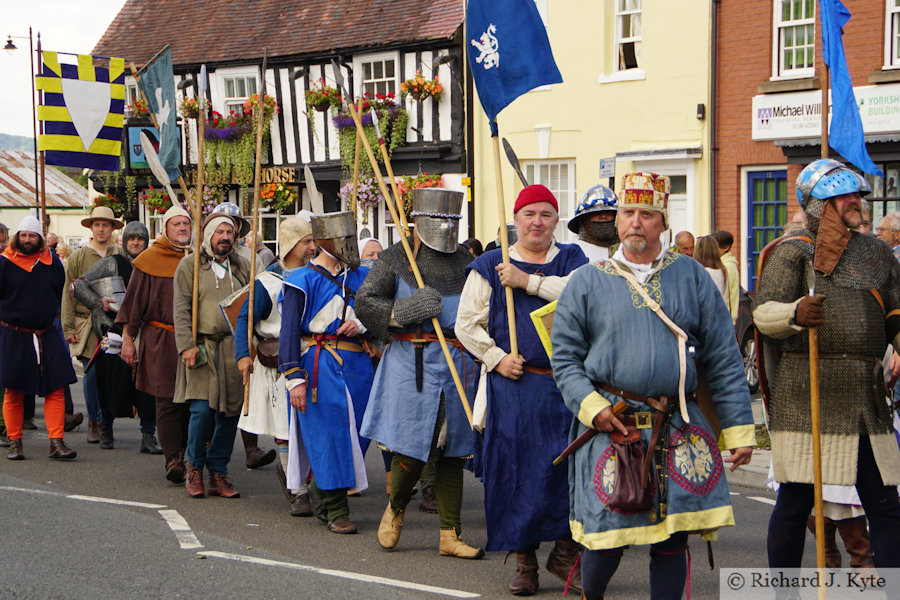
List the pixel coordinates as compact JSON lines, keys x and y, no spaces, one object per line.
{"x":744,"y":332}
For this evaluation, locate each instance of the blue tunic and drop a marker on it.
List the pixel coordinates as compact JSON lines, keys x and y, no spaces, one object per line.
{"x":313,"y":304}
{"x":603,"y":332}
{"x":526,"y":499}
{"x":403,"y":419}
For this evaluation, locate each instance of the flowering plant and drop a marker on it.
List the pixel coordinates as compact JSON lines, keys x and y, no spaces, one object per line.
{"x":228,"y":128}
{"x":411,"y":182}
{"x":269,"y":103}
{"x":157,"y":201}
{"x":277,"y":196}
{"x":112,"y":202}
{"x":420,"y":88}
{"x":368,"y":195}
{"x":190,"y":107}
{"x":392,"y":119}
{"x":322,"y":97}
{"x":138,"y":108}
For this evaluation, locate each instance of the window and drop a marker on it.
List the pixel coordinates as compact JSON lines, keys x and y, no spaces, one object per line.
{"x":628,"y":34}
{"x":767,"y":202}
{"x":559,"y":177}
{"x":795,"y":38}
{"x":238,"y":89}
{"x":379,"y":76}
{"x":892,"y":43}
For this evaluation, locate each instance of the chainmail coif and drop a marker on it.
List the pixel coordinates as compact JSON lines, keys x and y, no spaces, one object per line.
{"x":375,"y":299}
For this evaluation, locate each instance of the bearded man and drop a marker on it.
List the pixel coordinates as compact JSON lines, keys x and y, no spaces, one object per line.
{"x":594,"y":222}
{"x":101,"y":289}
{"x":35,"y":358}
{"x":148,"y":309}
{"x":525,"y":499}
{"x":855,"y":308}
{"x":612,"y":346}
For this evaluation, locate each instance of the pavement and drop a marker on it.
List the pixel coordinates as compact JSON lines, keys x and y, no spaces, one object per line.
{"x":756,"y":473}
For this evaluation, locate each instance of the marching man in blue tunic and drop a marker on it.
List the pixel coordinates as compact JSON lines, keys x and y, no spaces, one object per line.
{"x":414,"y":409}
{"x":328,"y":373}
{"x":525,"y":497}
{"x":623,"y":334}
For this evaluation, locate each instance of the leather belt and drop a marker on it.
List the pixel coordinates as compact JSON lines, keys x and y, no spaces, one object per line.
{"x":538,"y":370}
{"x":833,"y":356}
{"x":330,"y":343}
{"x":654,"y":402}
{"x":162,"y":325}
{"x":425,"y":338}
{"x":38,"y":335}
{"x":213,"y":337}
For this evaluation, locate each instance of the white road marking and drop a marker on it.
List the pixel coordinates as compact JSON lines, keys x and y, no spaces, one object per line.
{"x":186,"y":538}
{"x":114,"y":501}
{"x":344,"y":575}
{"x":761,"y":499}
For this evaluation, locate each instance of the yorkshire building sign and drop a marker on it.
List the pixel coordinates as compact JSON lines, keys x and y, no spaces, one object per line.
{"x":799,"y":115}
{"x":266,"y":175}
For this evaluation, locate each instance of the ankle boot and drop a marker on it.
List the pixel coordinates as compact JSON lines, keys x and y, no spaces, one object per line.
{"x":525,"y":583}
{"x":453,"y":545}
{"x":149,"y":444}
{"x":833,"y":558}
{"x":93,"y":434}
{"x":856,"y":541}
{"x":15,"y":450}
{"x":175,"y":468}
{"x":4,"y":438}
{"x":193,"y":482}
{"x":220,"y":485}
{"x":72,"y":421}
{"x":561,"y":562}
{"x":390,"y":527}
{"x":107,"y":441}
{"x":59,"y":450}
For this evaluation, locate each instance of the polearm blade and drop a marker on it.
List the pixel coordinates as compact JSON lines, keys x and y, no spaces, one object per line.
{"x":514,"y":161}
{"x":315,"y":198}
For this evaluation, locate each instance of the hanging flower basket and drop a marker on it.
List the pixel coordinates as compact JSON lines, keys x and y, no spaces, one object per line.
{"x":420,"y":88}
{"x":322,"y":105}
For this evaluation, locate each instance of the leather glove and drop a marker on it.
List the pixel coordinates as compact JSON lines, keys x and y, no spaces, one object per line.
{"x":810,"y":311}
{"x":423,"y":304}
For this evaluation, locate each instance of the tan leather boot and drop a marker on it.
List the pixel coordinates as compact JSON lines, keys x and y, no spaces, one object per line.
{"x":453,"y":545}
{"x":561,"y":562}
{"x":525,"y":583}
{"x":390,"y":527}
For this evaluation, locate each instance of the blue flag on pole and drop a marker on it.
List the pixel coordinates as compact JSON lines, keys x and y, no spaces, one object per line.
{"x":158,"y":85}
{"x":509,"y":52}
{"x":846,"y":132}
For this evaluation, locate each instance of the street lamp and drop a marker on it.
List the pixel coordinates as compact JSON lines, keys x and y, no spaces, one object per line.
{"x":10,"y":48}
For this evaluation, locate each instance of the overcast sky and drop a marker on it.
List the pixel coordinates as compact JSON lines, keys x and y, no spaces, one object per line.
{"x":64,"y":25}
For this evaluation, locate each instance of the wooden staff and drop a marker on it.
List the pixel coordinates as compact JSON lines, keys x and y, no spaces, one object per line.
{"x":412,"y":262}
{"x":198,"y":204}
{"x":181,"y":184}
{"x":387,"y":164}
{"x":356,"y":168}
{"x":260,"y":114}
{"x":504,"y":245}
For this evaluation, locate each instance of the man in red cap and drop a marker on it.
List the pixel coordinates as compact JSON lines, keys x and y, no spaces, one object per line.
{"x":526,"y":499}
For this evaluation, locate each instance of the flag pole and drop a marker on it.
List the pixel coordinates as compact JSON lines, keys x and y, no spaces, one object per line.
{"x":254,"y":229}
{"x":40,"y":58}
{"x":504,"y":242}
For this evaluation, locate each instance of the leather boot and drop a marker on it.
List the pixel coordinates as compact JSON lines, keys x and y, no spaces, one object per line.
{"x":832,"y":552}
{"x":72,"y":421}
{"x":149,"y":444}
{"x":390,"y":527}
{"x":301,"y":506}
{"x":59,"y":450}
{"x":220,"y":485}
{"x":4,"y":438}
{"x":342,"y":525}
{"x":453,"y":545}
{"x":29,"y":424}
{"x":175,"y":468}
{"x":15,"y":450}
{"x":256,"y":458}
{"x":429,"y":500}
{"x":193,"y":482}
{"x":586,"y":597}
{"x":107,"y":441}
{"x":562,"y":560}
{"x":93,"y":434}
{"x":525,"y":583}
{"x":856,"y":541}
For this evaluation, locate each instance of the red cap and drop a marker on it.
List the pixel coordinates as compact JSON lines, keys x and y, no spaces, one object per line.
{"x":535,"y":193}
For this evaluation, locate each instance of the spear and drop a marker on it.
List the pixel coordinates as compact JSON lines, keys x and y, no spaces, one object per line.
{"x":356,"y":168}
{"x":260,"y":115}
{"x":409,"y":255}
{"x":390,"y":172}
{"x":198,"y":202}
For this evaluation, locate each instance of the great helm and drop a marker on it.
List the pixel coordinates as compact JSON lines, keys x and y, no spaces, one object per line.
{"x":596,"y":199}
{"x":230,"y":209}
{"x":437,"y":213}
{"x":826,"y":178}
{"x":336,"y":234}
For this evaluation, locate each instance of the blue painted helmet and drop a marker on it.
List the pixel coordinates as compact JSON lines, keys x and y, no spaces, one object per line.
{"x":826,"y":178}
{"x":596,"y":199}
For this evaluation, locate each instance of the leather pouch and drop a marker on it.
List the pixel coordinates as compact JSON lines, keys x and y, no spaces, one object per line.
{"x":267,"y":352}
{"x":629,"y":492}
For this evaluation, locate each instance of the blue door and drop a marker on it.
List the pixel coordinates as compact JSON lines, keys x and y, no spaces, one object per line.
{"x":767,"y":205}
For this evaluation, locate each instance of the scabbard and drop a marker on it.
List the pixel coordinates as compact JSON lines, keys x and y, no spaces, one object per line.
{"x":420,"y":359}
{"x":618,"y":408}
{"x":96,"y":353}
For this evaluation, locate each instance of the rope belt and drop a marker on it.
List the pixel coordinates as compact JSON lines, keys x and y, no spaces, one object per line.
{"x":38,"y":337}
{"x":330,"y":343}
{"x":161,"y":325}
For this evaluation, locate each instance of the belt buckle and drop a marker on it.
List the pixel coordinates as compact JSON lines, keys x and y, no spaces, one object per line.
{"x":643,"y":420}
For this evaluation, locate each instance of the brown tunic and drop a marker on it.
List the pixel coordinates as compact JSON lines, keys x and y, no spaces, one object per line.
{"x":147,"y":299}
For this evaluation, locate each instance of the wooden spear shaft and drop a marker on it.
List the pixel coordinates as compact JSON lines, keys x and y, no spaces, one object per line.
{"x":504,"y":245}
{"x":356,"y":169}
{"x":412,"y":263}
{"x":198,"y":204}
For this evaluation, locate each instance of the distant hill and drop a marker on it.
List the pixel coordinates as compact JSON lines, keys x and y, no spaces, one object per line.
{"x":16,"y":142}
